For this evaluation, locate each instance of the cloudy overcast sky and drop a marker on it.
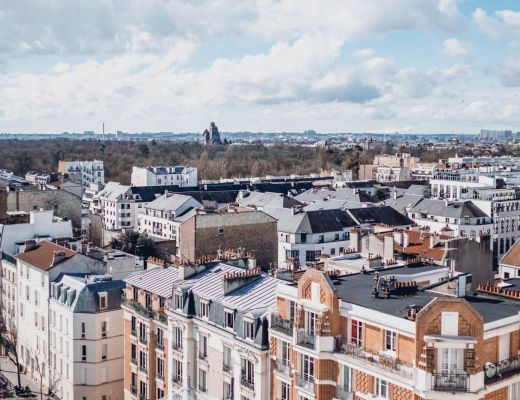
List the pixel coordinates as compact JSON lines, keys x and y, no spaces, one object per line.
{"x":422,"y":66}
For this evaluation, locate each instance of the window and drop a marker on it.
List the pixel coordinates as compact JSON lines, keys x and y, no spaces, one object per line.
{"x":284,"y":353}
{"x":220,"y":231}
{"x":249,"y":330}
{"x":160,"y":336}
{"x":347,"y":379}
{"x":177,"y":338}
{"x":104,"y":352}
{"x":133,"y":354}
{"x":381,"y":388}
{"x":321,"y":239}
{"x":204,"y":309}
{"x":303,"y":237}
{"x":227,"y":358}
{"x":307,"y":367}
{"x":135,"y":294}
{"x":160,"y":368}
{"x":450,"y":323}
{"x":203,"y":380}
{"x":83,"y":353}
{"x":284,"y":391}
{"x":336,"y":236}
{"x":311,"y":319}
{"x":450,"y":361}
{"x":390,"y":340}
{"x":229,"y":319}
{"x":248,"y":371}
{"x":292,"y":253}
{"x":133,"y":324}
{"x":142,"y":360}
{"x":292,"y":310}
{"x":228,"y":391}
{"x":103,"y":329}
{"x":142,"y":331}
{"x":148,"y":301}
{"x":178,"y":301}
{"x":160,"y":394}
{"x":102,"y":301}
{"x":142,"y":389}
{"x":356,"y":335}
{"x":177,"y":370}
{"x":312,"y":255}
{"x":203,"y":346}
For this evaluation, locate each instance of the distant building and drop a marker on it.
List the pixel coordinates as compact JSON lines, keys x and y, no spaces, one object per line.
{"x":495,"y":134}
{"x":211,"y":136}
{"x":164,"y":176}
{"x":88,"y":171}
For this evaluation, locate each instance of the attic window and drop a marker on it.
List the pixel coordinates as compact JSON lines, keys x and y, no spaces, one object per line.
{"x":229,"y":319}
{"x":249,"y":330}
{"x":103,"y":300}
{"x":220,"y":231}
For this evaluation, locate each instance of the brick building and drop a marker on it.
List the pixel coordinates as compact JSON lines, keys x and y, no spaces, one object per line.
{"x":202,"y":234}
{"x":398,"y":334}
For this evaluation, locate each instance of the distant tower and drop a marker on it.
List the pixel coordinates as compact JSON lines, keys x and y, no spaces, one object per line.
{"x":211,"y":136}
{"x":103,"y":134}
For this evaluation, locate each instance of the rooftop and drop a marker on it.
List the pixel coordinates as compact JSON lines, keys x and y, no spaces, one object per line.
{"x":45,"y":255}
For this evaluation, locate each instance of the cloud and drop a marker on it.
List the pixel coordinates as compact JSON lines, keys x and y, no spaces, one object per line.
{"x":98,"y":27}
{"x":505,"y":24}
{"x":363,"y":53}
{"x":510,"y":72}
{"x":454,"y":47}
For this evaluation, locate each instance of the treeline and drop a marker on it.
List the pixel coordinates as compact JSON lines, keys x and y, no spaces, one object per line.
{"x":215,"y":162}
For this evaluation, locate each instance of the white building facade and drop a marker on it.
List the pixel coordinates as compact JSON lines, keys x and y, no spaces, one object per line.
{"x":164,"y":176}
{"x":88,"y":171}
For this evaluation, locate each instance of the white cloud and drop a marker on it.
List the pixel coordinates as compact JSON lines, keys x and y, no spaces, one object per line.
{"x":455,"y":47}
{"x":505,"y":24}
{"x":510,"y":72}
{"x":363,"y":53}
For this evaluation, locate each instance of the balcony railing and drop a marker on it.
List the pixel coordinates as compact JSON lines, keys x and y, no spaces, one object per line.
{"x":246,"y":381}
{"x":305,"y":381}
{"x":451,"y":382}
{"x":344,"y":393}
{"x":143,"y":340}
{"x":383,"y":361}
{"x":159,"y":345}
{"x":502,"y":369}
{"x":226,"y":367}
{"x":133,"y":389}
{"x":133,"y":361}
{"x":284,"y":367}
{"x":202,"y":355}
{"x":161,"y":317}
{"x":143,"y":369}
{"x":305,"y":339}
{"x":146,"y":312}
{"x":177,"y":345}
{"x":177,"y":379}
{"x":281,"y":325}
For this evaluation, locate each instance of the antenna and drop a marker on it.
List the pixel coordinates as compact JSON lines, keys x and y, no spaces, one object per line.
{"x":103,"y":136}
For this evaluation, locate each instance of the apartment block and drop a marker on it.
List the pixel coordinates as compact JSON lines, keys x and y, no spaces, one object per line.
{"x":88,"y":171}
{"x":86,"y":337}
{"x":164,"y":176}
{"x":396,"y":334}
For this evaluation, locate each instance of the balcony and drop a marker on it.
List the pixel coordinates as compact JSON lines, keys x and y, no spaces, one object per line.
{"x":159,"y":345}
{"x":143,"y":369}
{"x":246,"y":381}
{"x":177,"y":380}
{"x":281,"y":325}
{"x":451,"y":382}
{"x":161,"y":317}
{"x":139,"y":308}
{"x":133,"y":389}
{"x":502,"y":369}
{"x":133,"y":361}
{"x":177,"y":345}
{"x":344,"y":393}
{"x":133,"y":332}
{"x":143,"y":340}
{"x":305,"y":339}
{"x":284,"y":367}
{"x":305,"y":381}
{"x":226,"y":367}
{"x":203,"y":355}
{"x":379,"y":360}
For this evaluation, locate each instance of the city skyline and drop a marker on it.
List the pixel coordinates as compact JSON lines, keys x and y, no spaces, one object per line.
{"x":409,"y":66}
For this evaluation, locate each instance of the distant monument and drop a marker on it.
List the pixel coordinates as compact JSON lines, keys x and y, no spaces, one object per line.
{"x":211,"y":136}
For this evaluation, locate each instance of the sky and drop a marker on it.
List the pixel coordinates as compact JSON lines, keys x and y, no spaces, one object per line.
{"x":409,"y":66}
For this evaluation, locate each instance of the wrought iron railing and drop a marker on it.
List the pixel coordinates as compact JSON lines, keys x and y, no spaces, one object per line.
{"x":451,"y":382}
{"x":281,"y":325}
{"x":305,"y":339}
{"x":383,"y":361}
{"x":502,"y":369}
{"x":305,"y":381}
{"x":344,"y":393}
{"x":247,"y":381}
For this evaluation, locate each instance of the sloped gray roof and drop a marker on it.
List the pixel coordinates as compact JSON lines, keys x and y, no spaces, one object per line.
{"x":458,"y":209}
{"x":313,"y":195}
{"x":169,"y":202}
{"x":112,"y":191}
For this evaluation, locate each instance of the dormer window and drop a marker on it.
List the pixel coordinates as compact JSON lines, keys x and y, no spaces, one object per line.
{"x":103,"y":300}
{"x":178,"y":302}
{"x":229,"y":319}
{"x":204,"y":309}
{"x":249,"y":330}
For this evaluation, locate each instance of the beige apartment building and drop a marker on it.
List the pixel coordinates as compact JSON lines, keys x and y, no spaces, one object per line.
{"x":397,"y":334}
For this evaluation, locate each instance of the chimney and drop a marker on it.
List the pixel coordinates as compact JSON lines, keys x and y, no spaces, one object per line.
{"x":30,"y":244}
{"x":406,"y":239}
{"x":58,"y":256}
{"x":434,"y":239}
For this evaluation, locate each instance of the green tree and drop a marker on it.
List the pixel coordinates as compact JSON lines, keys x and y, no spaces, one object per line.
{"x":136,"y":243}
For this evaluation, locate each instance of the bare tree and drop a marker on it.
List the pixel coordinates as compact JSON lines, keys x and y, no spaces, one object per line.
{"x":9,"y":339}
